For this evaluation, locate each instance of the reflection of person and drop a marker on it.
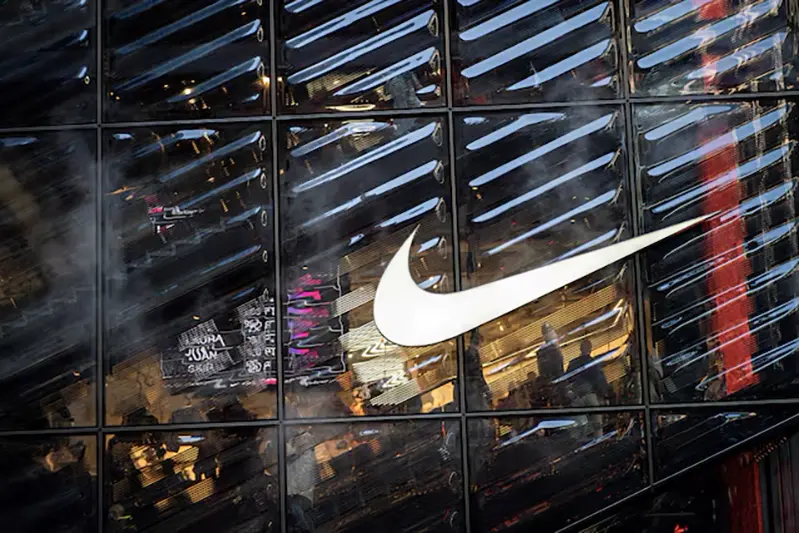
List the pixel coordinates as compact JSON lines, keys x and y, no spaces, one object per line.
{"x":550,"y":365}
{"x":550,"y":358}
{"x":589,"y":385}
{"x":403,"y":89}
{"x":300,"y":479}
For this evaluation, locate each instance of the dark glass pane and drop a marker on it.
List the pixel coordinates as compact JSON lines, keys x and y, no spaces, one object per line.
{"x":189,"y":271}
{"x":49,"y":62}
{"x":537,"y":188}
{"x":216,"y":480}
{"x":360,"y":55}
{"x":352,"y":192}
{"x":508,"y":51}
{"x":47,"y":279}
{"x":540,"y":474}
{"x":723,"y":295}
{"x":748,"y":492}
{"x":684,"y":437}
{"x":171,"y":59}
{"x":404,"y":476}
{"x":712,"y":46}
{"x":49,"y":484}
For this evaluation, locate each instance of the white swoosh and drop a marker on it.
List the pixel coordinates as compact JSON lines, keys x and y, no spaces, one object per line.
{"x":410,"y":316}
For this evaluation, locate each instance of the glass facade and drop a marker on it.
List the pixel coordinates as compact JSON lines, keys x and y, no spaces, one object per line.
{"x":198,"y":200}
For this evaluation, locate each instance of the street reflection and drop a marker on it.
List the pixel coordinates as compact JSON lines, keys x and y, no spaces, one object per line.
{"x":49,"y":480}
{"x":222,"y":480}
{"x":351,"y":477}
{"x":544,"y":473}
{"x":47,"y":279}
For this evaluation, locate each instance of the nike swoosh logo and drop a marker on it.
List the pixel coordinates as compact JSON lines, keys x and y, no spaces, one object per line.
{"x":408,"y":315}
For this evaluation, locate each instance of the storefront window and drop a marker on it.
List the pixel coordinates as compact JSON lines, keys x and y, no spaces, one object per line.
{"x":199,"y":203}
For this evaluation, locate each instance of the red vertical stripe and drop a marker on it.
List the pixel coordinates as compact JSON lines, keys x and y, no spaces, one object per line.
{"x":730,"y":319}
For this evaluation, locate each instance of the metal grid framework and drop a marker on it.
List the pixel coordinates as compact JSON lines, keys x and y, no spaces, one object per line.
{"x":101,"y":430}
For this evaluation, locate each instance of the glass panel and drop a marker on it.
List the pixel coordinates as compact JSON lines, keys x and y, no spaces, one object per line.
{"x":750,"y":491}
{"x":47,"y":279}
{"x":508,"y":51}
{"x":405,"y":475}
{"x":537,"y":188}
{"x":216,"y":480}
{"x":189,"y":271}
{"x":49,"y":62}
{"x":49,"y":484}
{"x":352,"y":192}
{"x":539,"y":474}
{"x":360,"y":55}
{"x":711,"y":46}
{"x":684,"y":437}
{"x":172,"y":59}
{"x":723,"y":295}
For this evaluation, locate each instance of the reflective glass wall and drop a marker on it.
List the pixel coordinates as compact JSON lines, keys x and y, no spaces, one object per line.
{"x":199,"y":200}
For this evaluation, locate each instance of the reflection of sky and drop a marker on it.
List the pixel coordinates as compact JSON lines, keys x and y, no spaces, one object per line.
{"x":362,"y":48}
{"x":537,"y":41}
{"x":551,"y":146}
{"x":603,"y":199}
{"x":505,"y":19}
{"x":350,"y":17}
{"x":739,"y":57}
{"x":509,"y":129}
{"x":544,"y":424}
{"x":347,"y":130}
{"x":538,"y":191}
{"x":728,"y":139}
{"x":703,"y":35}
{"x":385,"y":150}
{"x":588,"y":245}
{"x":390,"y":185}
{"x":412,"y":213}
{"x":561,"y":67}
{"x":752,"y":246}
{"x":392,"y":71}
{"x":693,"y":116}
{"x":736,"y":174}
{"x":670,"y":14}
{"x":220,"y":153}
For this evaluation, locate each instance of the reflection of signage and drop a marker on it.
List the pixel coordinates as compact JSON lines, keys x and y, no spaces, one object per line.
{"x":233,"y":349}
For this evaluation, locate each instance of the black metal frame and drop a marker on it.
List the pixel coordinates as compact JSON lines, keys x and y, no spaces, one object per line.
{"x":100,"y":430}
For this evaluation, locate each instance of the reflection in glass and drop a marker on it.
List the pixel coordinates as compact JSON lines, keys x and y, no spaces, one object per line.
{"x":49,"y":484}
{"x":537,"y":188}
{"x":190,"y":307}
{"x":515,"y":51}
{"x":183,"y":481}
{"x":540,"y":474}
{"x":172,"y":59}
{"x":360,"y":55}
{"x":405,"y":476}
{"x":723,"y":296}
{"x":710,"y":46}
{"x":351,"y":194}
{"x":47,"y":279}
{"x":683,"y":438}
{"x":48,"y":67}
{"x":753,"y":490}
